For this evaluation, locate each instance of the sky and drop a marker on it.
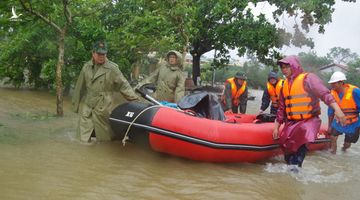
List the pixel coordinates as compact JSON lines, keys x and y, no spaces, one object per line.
{"x":343,"y":31}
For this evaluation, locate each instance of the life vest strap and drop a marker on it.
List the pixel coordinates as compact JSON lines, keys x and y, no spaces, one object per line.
{"x":298,"y":104}
{"x":314,"y":112}
{"x":297,"y":96}
{"x":351,"y":113}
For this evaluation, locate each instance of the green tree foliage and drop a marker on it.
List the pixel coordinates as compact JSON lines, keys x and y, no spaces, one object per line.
{"x":205,"y":25}
{"x":133,"y":28}
{"x":257,"y":73}
{"x":224,"y":25}
{"x":354,"y":72}
{"x":40,"y":36}
{"x":341,"y":55}
{"x":311,"y":62}
{"x":138,"y":27}
{"x":227,"y":24}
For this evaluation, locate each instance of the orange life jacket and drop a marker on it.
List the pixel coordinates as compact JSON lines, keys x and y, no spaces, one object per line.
{"x":298,"y":101}
{"x":235,"y":93}
{"x":274,"y":92}
{"x":347,"y":103}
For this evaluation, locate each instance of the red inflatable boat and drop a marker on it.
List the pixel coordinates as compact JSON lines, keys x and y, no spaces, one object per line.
{"x":178,"y":133}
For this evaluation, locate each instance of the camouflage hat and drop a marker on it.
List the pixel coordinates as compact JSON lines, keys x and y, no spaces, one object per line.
{"x":240,"y":75}
{"x":100,"y":47}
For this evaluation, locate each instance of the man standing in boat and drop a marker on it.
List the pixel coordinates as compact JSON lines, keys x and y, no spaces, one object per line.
{"x":271,"y":93}
{"x":168,"y":78}
{"x":299,"y":110}
{"x":93,"y":94}
{"x":235,"y":94}
{"x":348,"y":98}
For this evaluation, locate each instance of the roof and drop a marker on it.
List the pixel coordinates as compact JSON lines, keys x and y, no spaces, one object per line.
{"x":344,"y":67}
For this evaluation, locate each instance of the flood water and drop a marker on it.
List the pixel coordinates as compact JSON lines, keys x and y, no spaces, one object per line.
{"x":41,"y":159}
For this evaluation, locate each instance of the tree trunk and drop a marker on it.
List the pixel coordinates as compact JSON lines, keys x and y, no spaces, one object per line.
{"x":59,"y":65}
{"x":196,"y":68}
{"x":136,"y":71}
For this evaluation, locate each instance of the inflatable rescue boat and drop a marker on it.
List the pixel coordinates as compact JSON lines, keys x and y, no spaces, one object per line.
{"x":187,"y":135}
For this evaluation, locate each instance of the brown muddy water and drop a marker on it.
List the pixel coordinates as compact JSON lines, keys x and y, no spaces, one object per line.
{"x":41,"y":159}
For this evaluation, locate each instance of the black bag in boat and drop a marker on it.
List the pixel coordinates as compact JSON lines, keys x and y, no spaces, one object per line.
{"x":204,"y":104}
{"x":265,"y":117}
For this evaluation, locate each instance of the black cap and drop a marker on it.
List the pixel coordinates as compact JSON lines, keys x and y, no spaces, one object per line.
{"x":273,"y":75}
{"x":240,"y":75}
{"x":100,"y":47}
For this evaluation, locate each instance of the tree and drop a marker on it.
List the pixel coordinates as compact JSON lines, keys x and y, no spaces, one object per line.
{"x":195,"y":26}
{"x":61,"y":30}
{"x":58,"y":16}
{"x":18,"y":55}
{"x":138,"y":27}
{"x":353,"y":74}
{"x":311,"y":62}
{"x":341,"y":55}
{"x":229,"y":24}
{"x":204,"y":25}
{"x":257,"y":73}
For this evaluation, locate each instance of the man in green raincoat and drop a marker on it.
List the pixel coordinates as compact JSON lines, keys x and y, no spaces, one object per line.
{"x":168,"y":78}
{"x":93,"y":99}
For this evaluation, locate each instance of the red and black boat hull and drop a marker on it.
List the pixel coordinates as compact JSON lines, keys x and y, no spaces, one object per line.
{"x":181,"y":134}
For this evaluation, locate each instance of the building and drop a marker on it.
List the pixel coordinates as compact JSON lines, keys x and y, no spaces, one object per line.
{"x":333,"y":67}
{"x":209,"y":60}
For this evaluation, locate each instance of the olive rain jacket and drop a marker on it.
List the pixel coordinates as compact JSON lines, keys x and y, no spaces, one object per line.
{"x":93,"y":98}
{"x":169,"y":80}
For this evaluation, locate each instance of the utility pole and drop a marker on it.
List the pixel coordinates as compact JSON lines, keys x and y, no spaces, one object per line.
{"x":213,"y":70}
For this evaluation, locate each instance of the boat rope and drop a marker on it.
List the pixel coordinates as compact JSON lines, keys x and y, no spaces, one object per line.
{"x":126,"y":137}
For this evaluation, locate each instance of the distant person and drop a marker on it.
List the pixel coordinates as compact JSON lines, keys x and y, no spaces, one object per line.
{"x":168,"y":79}
{"x":299,"y":109}
{"x":271,"y":93}
{"x":348,"y":98}
{"x":235,"y":94}
{"x":93,"y":95}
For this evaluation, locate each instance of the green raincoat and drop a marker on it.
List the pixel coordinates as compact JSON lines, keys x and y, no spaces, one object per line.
{"x":93,"y":98}
{"x":169,"y":80}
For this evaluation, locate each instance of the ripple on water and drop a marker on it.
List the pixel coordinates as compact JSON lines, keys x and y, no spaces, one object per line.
{"x":321,"y":167}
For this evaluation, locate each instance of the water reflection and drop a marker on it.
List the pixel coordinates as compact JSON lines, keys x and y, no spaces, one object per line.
{"x":41,"y":159}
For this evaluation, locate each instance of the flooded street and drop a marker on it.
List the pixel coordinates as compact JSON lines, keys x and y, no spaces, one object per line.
{"x":41,"y":159}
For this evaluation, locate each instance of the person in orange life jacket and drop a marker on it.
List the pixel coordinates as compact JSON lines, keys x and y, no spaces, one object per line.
{"x":348,"y":98}
{"x":299,"y":110}
{"x":235,"y":94}
{"x":271,"y":93}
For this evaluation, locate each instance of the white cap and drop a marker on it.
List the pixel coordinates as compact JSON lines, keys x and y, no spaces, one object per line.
{"x":336,"y":77}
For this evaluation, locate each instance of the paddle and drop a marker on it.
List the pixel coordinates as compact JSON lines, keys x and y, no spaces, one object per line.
{"x":156,"y":102}
{"x":147,"y":97}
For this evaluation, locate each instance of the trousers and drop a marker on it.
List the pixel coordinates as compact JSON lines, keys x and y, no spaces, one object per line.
{"x":298,"y":157}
